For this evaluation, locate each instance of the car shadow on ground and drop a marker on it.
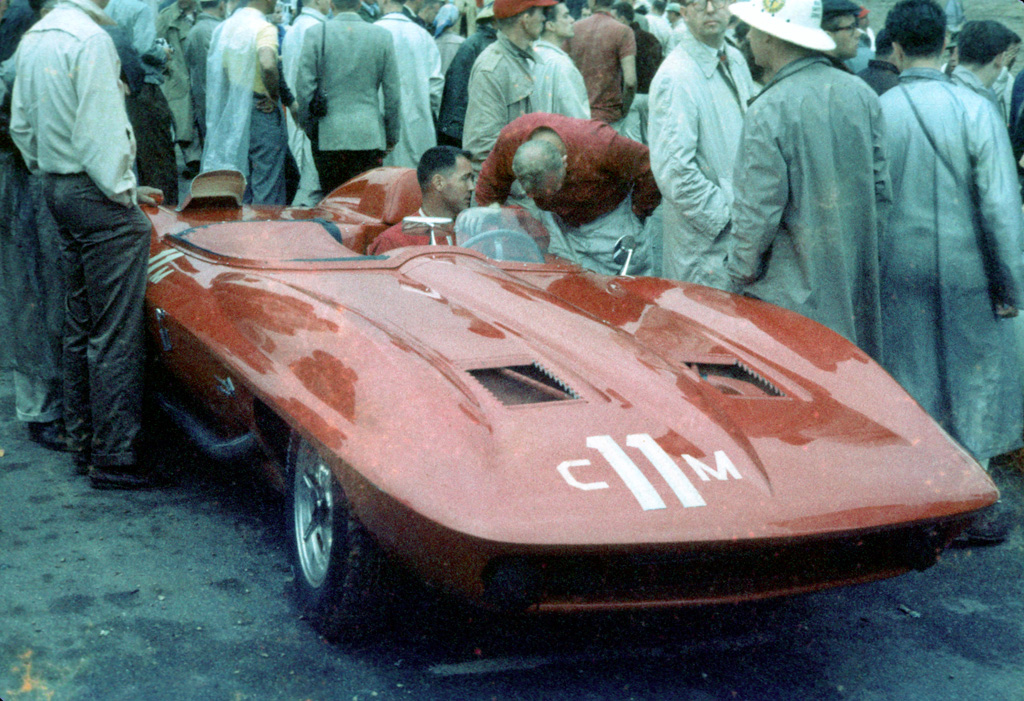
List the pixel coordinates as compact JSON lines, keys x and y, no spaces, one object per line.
{"x":418,"y":622}
{"x":423,"y":629}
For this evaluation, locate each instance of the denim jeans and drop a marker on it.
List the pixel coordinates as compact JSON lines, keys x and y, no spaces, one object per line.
{"x":268,"y":143}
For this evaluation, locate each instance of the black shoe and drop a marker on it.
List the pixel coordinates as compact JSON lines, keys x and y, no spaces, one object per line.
{"x":991,"y":528}
{"x":49,"y":434}
{"x":81,"y":460}
{"x":109,"y":478}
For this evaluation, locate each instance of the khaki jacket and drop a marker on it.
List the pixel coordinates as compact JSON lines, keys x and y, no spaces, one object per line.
{"x":500,"y":88}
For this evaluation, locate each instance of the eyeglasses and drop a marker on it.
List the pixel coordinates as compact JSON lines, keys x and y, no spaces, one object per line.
{"x":716,"y":4}
{"x":850,"y":27}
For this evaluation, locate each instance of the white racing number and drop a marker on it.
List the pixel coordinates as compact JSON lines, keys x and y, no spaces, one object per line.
{"x":637,"y":482}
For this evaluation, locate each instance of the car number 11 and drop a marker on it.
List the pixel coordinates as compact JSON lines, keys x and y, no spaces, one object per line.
{"x":635,"y":479}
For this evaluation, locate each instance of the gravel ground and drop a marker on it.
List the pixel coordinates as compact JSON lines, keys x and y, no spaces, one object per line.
{"x":184,"y":593}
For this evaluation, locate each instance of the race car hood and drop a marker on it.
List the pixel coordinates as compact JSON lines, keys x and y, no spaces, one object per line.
{"x":566,"y":408}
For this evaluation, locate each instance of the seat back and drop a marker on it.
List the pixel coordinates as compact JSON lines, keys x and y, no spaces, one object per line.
{"x":402,"y":199}
{"x":371,"y":202}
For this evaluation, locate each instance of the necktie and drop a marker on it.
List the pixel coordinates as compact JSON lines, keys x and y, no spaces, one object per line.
{"x":723,"y":68}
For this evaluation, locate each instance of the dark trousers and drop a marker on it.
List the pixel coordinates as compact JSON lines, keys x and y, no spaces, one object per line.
{"x":106,"y":250}
{"x":32,"y":292}
{"x":151,"y":120}
{"x":445,"y":140}
{"x":338,"y":167}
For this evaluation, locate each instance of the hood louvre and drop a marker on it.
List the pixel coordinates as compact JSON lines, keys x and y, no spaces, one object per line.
{"x":736,"y":379}
{"x":515,"y":385}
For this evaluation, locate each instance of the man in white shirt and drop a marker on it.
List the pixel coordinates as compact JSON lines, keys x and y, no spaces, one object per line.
{"x":558,"y":86}
{"x":697,"y":102}
{"x":68,"y":120}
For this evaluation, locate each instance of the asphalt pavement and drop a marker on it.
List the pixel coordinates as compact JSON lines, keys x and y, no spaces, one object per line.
{"x":184,"y":593}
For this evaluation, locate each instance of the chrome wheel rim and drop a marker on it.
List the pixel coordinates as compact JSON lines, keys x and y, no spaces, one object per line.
{"x":314,"y":517}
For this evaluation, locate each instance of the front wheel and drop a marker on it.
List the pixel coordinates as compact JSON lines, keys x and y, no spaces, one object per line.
{"x":336,"y":562}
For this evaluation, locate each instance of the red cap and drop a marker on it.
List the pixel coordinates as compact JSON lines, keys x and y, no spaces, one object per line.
{"x":511,"y":8}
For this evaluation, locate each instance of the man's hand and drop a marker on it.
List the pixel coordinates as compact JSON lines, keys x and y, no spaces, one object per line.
{"x":150,"y":195}
{"x":1005,"y":311}
{"x":266,"y":105}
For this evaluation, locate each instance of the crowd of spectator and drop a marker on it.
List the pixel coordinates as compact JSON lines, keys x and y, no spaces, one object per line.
{"x":780,"y":149}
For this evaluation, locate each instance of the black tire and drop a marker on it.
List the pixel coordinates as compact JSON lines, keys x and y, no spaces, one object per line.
{"x":336,"y":563}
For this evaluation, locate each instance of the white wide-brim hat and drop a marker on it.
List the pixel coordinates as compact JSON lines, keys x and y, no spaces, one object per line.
{"x":795,"y":21}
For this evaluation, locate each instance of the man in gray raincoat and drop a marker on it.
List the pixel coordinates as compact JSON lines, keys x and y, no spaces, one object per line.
{"x":697,"y":102}
{"x":952,"y":267}
{"x":810,"y":178}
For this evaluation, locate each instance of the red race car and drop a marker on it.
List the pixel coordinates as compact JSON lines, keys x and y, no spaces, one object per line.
{"x":528,"y":434}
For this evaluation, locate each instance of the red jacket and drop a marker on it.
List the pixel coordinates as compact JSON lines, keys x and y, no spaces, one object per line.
{"x":602,"y":169}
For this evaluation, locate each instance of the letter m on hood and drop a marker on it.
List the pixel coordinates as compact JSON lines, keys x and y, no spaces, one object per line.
{"x":723,"y":470}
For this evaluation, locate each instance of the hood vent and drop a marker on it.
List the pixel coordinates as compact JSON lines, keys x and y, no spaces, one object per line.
{"x":514,"y":385}
{"x":735,"y":379}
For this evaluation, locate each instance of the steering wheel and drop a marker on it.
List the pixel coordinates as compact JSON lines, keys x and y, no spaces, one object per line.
{"x":522,"y":248}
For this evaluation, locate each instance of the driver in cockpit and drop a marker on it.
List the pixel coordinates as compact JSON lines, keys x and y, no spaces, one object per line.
{"x":446,"y":180}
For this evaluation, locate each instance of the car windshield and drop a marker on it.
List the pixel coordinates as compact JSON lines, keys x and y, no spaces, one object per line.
{"x":506,"y":234}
